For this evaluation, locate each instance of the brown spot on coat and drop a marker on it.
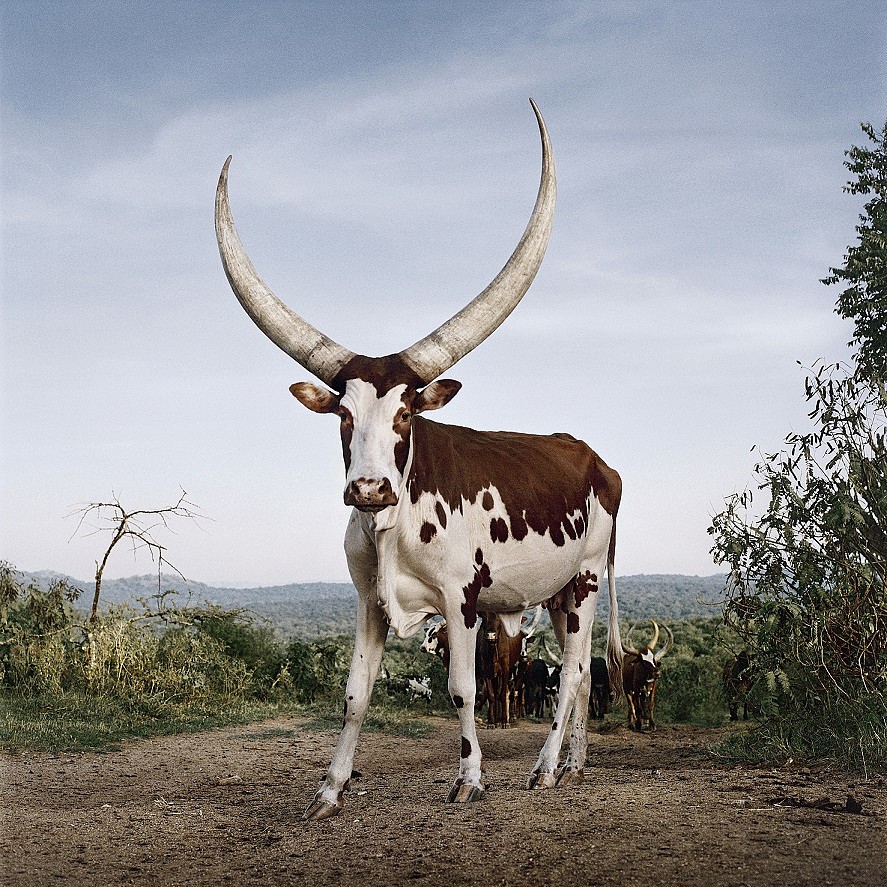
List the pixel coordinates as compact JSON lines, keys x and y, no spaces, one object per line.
{"x":583,"y":585}
{"x":498,"y":530}
{"x":427,"y":532}
{"x":518,"y":528}
{"x":478,"y":557}
{"x":441,"y":514}
{"x":466,"y":747}
{"x":482,"y":579}
{"x":346,"y":430}
{"x":458,"y":701}
{"x":487,"y":501}
{"x":572,"y":622}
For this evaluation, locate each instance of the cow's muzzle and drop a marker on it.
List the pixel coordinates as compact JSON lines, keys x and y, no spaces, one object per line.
{"x":370,"y":494}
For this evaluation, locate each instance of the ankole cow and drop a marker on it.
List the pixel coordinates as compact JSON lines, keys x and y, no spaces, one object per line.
{"x":640,"y":676}
{"x":447,"y":520}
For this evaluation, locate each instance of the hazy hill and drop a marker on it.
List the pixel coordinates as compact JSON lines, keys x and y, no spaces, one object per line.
{"x":318,"y":609}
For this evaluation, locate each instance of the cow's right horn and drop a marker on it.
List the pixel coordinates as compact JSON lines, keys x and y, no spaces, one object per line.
{"x":308,"y":346}
{"x":652,"y":644}
{"x":626,"y":644}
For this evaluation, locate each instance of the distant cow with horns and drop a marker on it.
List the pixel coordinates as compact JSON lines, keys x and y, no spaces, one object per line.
{"x":640,"y":675}
{"x":447,"y":520}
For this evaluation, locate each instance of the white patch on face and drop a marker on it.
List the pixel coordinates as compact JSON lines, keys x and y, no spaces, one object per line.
{"x":374,"y":439}
{"x":647,"y":656}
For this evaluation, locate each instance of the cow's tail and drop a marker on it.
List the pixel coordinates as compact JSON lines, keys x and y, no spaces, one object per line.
{"x":614,"y":638}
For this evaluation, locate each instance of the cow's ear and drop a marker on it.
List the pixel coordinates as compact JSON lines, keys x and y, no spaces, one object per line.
{"x":314,"y":397}
{"x":436,"y":395}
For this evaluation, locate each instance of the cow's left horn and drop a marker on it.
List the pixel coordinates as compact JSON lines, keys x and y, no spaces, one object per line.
{"x":316,"y":352}
{"x":438,"y":351}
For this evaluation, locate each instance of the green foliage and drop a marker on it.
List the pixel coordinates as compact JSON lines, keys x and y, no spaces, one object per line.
{"x":808,"y":570}
{"x":172,"y":667}
{"x":319,"y":671}
{"x":691,"y":685}
{"x":864,"y":301}
{"x":849,"y":733}
{"x":253,"y":645}
{"x":36,"y":640}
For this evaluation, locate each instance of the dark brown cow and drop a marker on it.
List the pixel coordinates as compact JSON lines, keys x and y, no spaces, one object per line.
{"x":737,"y":684}
{"x":437,"y":642}
{"x":640,"y":672}
{"x":601,"y":692}
{"x":448,"y":520}
{"x":536,"y":687}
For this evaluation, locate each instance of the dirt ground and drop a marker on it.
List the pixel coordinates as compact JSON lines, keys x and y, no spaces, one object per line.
{"x":225,"y":808}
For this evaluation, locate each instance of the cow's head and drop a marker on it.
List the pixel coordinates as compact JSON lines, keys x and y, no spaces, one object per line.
{"x":376,"y":398}
{"x":435,"y":638}
{"x":375,"y":416}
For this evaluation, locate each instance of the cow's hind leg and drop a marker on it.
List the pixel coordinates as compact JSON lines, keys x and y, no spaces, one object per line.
{"x":573,"y":626}
{"x":543,"y":774}
{"x":372,"y":629}
{"x":469,"y":784}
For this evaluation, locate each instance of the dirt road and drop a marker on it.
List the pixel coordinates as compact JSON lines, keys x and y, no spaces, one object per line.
{"x":224,"y":808}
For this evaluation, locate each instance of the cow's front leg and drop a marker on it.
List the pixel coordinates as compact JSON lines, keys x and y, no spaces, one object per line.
{"x":462,"y":683}
{"x":369,"y":642}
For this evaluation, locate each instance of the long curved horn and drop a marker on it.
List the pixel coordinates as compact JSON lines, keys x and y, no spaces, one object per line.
{"x":556,"y":660}
{"x":652,"y":644}
{"x":626,"y":646}
{"x":668,"y":645}
{"x":439,"y":350}
{"x":308,"y":346}
{"x":537,"y":615}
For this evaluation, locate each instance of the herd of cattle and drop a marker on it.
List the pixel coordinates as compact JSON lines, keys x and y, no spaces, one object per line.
{"x":519,"y":676}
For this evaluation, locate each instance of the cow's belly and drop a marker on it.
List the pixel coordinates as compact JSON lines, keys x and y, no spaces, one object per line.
{"x":529,"y":572}
{"x":438,"y":571}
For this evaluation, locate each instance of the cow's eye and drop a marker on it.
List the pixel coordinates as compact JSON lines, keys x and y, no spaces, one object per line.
{"x":405,"y":416}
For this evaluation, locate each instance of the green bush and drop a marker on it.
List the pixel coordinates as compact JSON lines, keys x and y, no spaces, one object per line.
{"x":319,"y":670}
{"x":253,"y":645}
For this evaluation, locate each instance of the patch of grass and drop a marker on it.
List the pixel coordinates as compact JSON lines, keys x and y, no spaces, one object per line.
{"x":851,"y":737}
{"x":80,"y":722}
{"x":388,"y":719}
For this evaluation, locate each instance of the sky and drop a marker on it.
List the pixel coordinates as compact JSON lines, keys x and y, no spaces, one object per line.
{"x":386,"y":161}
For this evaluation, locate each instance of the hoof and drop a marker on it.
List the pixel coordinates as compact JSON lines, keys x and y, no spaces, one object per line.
{"x":570,"y":777}
{"x":464,"y":793}
{"x":320,"y":809}
{"x":538,"y":781}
